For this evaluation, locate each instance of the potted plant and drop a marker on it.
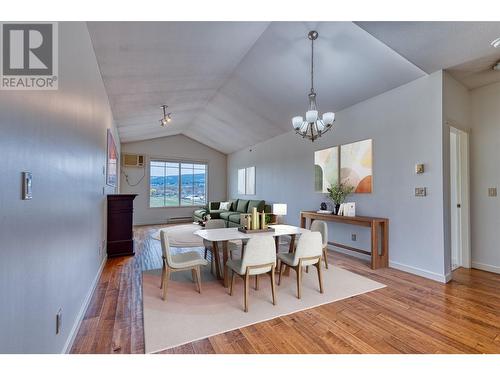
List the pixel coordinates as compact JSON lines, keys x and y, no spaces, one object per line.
{"x":338,"y":193}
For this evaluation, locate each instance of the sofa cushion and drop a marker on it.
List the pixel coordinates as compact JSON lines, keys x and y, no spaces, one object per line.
{"x":234,"y":204}
{"x":225,"y":215}
{"x":242,"y":205}
{"x":214,"y":205}
{"x":215,"y":214}
{"x":257,"y":204}
{"x":235,"y":217}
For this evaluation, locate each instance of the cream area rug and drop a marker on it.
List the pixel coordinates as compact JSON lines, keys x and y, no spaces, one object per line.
{"x":181,"y":235}
{"x":188,"y":316}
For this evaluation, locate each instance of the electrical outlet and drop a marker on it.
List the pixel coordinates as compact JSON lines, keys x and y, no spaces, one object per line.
{"x":492,"y":192}
{"x":59,"y":322}
{"x":353,"y":237}
{"x":420,"y":192}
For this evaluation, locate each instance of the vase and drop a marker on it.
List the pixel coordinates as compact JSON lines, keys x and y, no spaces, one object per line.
{"x":336,"y":210}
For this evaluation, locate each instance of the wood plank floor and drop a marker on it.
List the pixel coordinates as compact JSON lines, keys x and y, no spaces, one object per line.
{"x":411,"y":315}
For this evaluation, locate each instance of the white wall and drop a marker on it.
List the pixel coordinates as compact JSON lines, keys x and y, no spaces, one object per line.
{"x":406,"y":127}
{"x":49,"y":245}
{"x":174,"y":147}
{"x":485,"y":173}
{"x":456,"y":113}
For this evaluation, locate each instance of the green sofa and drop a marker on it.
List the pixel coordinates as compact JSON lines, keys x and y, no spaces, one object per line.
{"x":231,"y":216}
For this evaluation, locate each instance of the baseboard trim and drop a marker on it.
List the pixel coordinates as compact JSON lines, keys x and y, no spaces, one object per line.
{"x":79,"y":318}
{"x":421,"y":272}
{"x":399,"y":266}
{"x":486,"y":267}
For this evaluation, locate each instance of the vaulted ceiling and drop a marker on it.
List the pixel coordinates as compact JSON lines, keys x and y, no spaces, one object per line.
{"x":230,"y":85}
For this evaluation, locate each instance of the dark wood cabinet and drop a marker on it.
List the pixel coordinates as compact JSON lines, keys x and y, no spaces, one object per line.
{"x":120,"y":240}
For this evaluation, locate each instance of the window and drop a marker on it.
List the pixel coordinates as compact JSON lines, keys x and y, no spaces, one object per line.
{"x":174,"y":184}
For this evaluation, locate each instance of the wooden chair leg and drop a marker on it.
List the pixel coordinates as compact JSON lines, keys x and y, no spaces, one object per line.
{"x":282,"y":266}
{"x":325,"y":257}
{"x":165,"y":283}
{"x":231,"y":283}
{"x":320,"y":277}
{"x":198,"y":278}
{"x":193,"y":275}
{"x":298,"y":270}
{"x":162,"y":275}
{"x":273,"y":285}
{"x":256,"y":282}
{"x":247,"y":278}
{"x":307,"y":269}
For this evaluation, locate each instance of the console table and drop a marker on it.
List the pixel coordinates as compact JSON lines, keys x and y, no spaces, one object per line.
{"x":379,"y":256}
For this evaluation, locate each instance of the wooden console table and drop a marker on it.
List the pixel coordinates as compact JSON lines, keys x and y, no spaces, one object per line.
{"x":380,"y":257}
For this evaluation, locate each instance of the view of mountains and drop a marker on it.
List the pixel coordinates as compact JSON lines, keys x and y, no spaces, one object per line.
{"x":188,"y":179}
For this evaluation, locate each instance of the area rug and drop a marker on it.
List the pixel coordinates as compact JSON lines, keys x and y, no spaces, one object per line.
{"x":188,"y":316}
{"x":181,"y":235}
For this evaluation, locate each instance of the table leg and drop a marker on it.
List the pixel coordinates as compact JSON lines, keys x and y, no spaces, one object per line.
{"x":225,"y":257}
{"x":215,"y":254}
{"x":291,"y":249}
{"x":385,"y":244}
{"x":374,"y":246}
{"x":302,"y":221}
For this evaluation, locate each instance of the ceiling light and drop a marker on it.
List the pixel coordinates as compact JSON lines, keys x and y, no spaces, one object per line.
{"x":314,"y":126}
{"x":496,"y":43}
{"x":167,"y":117}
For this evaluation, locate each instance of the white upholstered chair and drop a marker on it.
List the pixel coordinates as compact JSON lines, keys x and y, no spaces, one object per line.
{"x":191,"y":260}
{"x":259,"y":258}
{"x":308,"y":253}
{"x":322,"y":227}
{"x":212,"y":224}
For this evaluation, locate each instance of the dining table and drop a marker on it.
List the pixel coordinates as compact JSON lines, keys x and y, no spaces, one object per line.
{"x":222,"y":236}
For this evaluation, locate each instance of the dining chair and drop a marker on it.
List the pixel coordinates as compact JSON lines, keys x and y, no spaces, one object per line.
{"x":308,"y":253}
{"x":322,"y":227}
{"x":259,"y":258}
{"x":191,"y":260}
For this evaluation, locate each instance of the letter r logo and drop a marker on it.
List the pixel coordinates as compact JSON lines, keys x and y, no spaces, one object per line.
{"x":27,"y":49}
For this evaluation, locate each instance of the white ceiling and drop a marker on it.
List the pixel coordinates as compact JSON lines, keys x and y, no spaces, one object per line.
{"x":233,"y":84}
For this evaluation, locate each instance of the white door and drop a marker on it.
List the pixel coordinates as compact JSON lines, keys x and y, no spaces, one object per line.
{"x":459,"y":199}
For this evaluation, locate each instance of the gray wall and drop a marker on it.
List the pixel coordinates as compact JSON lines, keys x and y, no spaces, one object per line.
{"x":49,"y":246}
{"x":174,"y":147}
{"x":406,"y":127}
{"x":485,"y":173}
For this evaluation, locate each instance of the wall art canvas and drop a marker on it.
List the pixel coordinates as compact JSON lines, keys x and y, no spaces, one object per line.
{"x":112,"y":162}
{"x":326,"y":168}
{"x":250,"y":181}
{"x":241,"y":181}
{"x":356,"y":165}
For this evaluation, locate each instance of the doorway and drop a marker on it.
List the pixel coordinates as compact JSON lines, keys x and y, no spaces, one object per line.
{"x":459,"y":199}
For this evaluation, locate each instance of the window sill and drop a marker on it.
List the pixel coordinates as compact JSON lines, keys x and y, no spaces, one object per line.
{"x":195,"y":207}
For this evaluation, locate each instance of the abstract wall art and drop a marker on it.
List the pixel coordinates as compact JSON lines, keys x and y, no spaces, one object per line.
{"x":356,"y":165}
{"x":350,"y":164}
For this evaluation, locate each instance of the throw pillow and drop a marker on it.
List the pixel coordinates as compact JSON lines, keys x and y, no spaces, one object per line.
{"x":225,"y":206}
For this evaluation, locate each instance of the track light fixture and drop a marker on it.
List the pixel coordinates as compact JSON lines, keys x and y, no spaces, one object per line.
{"x":167,"y":117}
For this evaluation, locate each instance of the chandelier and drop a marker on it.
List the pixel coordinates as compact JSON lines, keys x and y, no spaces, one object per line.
{"x":167,"y":117}
{"x":313,"y":127}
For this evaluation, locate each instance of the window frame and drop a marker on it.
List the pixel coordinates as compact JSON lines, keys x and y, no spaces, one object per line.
{"x":180,"y":162}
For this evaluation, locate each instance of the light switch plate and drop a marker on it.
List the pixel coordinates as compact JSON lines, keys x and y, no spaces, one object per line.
{"x":420,"y":191}
{"x":419,"y":168}
{"x":27,"y":193}
{"x":492,"y":192}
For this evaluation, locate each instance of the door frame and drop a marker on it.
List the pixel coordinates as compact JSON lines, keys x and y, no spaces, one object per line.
{"x":464,"y":243}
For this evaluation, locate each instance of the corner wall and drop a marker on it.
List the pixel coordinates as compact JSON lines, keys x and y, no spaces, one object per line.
{"x":49,"y":246}
{"x":177,"y":147}
{"x":406,"y":127}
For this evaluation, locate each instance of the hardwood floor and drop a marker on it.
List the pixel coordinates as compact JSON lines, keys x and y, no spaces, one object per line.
{"x":411,"y":315}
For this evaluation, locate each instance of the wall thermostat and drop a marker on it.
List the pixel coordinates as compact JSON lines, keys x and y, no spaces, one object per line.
{"x":27,"y":185}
